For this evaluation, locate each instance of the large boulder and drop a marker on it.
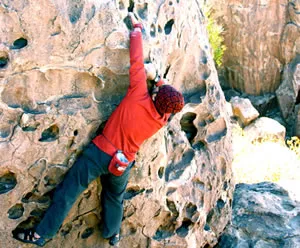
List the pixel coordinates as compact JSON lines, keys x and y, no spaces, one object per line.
{"x":63,"y":70}
{"x":264,"y":216}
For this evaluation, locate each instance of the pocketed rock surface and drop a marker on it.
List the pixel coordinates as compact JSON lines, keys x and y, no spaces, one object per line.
{"x":63,"y":70}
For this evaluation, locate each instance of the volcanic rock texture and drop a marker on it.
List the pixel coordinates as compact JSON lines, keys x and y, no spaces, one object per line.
{"x":63,"y":70}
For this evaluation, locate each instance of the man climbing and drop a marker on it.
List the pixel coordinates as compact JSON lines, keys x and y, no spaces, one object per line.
{"x":111,"y":154}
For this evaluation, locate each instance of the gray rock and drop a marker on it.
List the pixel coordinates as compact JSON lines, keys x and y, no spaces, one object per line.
{"x":264,"y":215}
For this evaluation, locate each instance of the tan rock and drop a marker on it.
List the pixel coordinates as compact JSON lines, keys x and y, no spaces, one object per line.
{"x":65,"y":76}
{"x":244,"y":110}
{"x":265,"y":128}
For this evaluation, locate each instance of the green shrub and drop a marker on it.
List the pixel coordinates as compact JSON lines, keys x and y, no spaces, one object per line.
{"x":216,"y":39}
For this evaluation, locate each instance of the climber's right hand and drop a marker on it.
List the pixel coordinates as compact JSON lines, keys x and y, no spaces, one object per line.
{"x":135,"y":23}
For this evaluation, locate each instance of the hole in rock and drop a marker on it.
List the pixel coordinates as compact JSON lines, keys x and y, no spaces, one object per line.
{"x":50,"y":134}
{"x":198,"y":184}
{"x":204,"y":59}
{"x":170,"y":191}
{"x":75,"y":132}
{"x":19,"y":43}
{"x":131,"y":6}
{"x":298,"y":98}
{"x":87,"y":233}
{"x":172,"y":207}
{"x":31,"y":222}
{"x":121,"y":5}
{"x":206,"y":74}
{"x":168,"y":26}
{"x":143,"y":12}
{"x":66,"y":229}
{"x":16,"y":211}
{"x":159,"y":29}
{"x":188,"y":126}
{"x":220,"y":204}
{"x":7,"y":182}
{"x":132,"y":192}
{"x":225,"y":186}
{"x":210,"y":216}
{"x":164,"y":231}
{"x":75,"y":11}
{"x":3,"y":59}
{"x":149,"y":191}
{"x":31,"y":197}
{"x":170,"y":3}
{"x":207,"y":227}
{"x":161,"y":172}
{"x":191,"y":209}
{"x":37,"y":213}
{"x":183,"y":230}
{"x":152,"y":31}
{"x":199,"y":145}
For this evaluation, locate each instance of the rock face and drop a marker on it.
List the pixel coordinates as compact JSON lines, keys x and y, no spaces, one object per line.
{"x":288,"y":94}
{"x":263,"y":216}
{"x":63,"y":70}
{"x":261,"y":38}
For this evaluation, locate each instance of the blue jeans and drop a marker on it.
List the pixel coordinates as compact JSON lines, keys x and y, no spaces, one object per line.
{"x":89,"y":166}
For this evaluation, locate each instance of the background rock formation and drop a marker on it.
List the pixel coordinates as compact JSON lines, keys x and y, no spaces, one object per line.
{"x":63,"y":70}
{"x":264,"y":215}
{"x":261,"y":38}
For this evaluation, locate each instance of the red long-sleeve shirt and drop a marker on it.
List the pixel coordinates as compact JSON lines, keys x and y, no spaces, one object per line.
{"x":136,"y":118}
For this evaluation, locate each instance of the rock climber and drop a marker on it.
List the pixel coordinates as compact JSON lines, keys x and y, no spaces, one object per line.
{"x":111,"y":154}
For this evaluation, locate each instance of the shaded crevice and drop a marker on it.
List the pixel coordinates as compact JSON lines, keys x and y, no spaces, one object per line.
{"x":183,"y":230}
{"x":132,"y":192}
{"x":187,"y":125}
{"x":220,"y":204}
{"x":75,"y":10}
{"x":7,"y":182}
{"x":190,"y":210}
{"x":19,"y":43}
{"x":31,"y":197}
{"x":50,"y":134}
{"x":298,"y":98}
{"x":167,"y":71}
{"x":199,"y":184}
{"x":143,"y":12}
{"x":16,"y":211}
{"x":199,"y":145}
{"x":174,"y":171}
{"x":3,"y":59}
{"x":121,"y":5}
{"x":170,"y":191}
{"x":164,"y":231}
{"x":152,"y":30}
{"x":168,"y":27}
{"x":87,"y":232}
{"x":172,"y":207}
{"x":161,"y":172}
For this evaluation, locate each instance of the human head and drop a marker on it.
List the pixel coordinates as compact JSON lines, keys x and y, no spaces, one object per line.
{"x":168,"y":100}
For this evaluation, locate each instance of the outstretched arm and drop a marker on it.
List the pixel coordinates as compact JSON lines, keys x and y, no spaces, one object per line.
{"x":137,"y":75}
